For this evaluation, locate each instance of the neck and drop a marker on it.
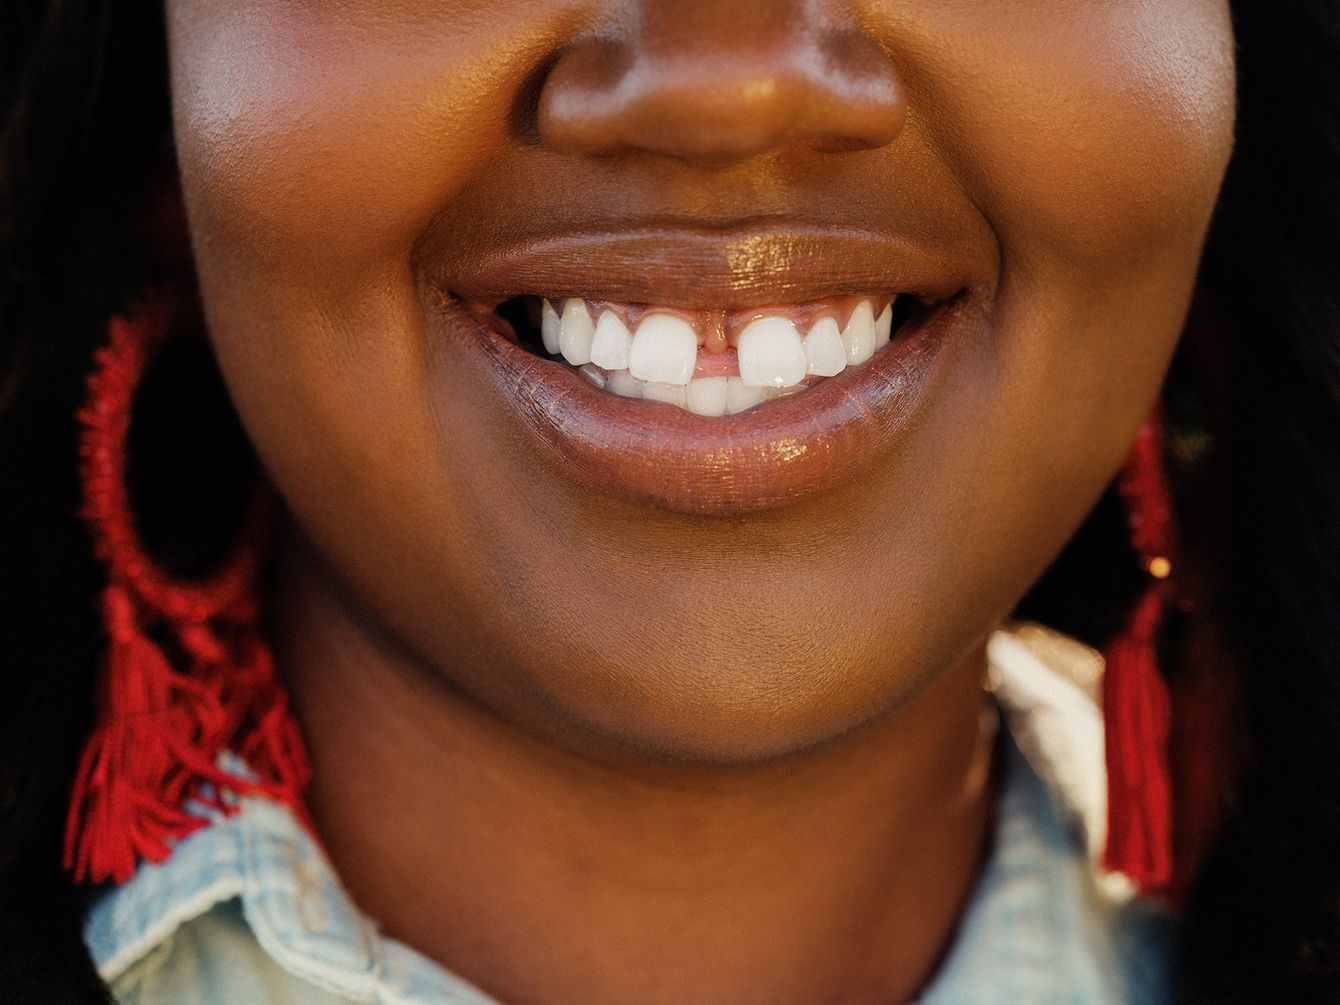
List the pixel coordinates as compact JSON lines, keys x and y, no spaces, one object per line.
{"x":542,"y":874}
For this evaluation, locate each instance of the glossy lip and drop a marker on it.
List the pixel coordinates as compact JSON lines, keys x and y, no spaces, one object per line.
{"x":658,"y":455}
{"x":741,"y":265}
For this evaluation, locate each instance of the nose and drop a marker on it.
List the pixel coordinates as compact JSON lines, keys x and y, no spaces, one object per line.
{"x":720,"y":81}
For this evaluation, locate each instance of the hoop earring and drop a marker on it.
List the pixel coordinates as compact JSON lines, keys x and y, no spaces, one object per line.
{"x":1137,"y":708}
{"x":186,"y":676}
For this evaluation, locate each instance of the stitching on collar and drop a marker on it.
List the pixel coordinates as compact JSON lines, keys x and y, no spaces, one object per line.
{"x":299,"y":914}
{"x":130,"y":920}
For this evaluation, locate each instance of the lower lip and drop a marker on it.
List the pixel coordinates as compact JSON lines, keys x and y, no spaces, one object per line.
{"x":652,"y":454}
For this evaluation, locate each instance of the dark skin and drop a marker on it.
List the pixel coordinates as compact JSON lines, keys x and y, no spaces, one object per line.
{"x":581,"y":746}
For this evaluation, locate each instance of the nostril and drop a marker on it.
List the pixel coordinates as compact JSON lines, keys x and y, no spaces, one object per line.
{"x":523,"y":116}
{"x":724,"y":99}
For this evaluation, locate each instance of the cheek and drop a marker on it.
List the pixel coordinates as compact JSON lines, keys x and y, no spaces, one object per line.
{"x":308,"y":141}
{"x":1093,"y":138}
{"x":1089,"y":130}
{"x":314,"y":149}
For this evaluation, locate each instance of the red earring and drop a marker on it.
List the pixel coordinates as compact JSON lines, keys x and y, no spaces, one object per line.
{"x":1137,"y":710}
{"x":186,"y":674}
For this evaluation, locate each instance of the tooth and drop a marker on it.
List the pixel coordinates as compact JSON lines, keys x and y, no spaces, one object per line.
{"x":623,"y":383}
{"x":610,"y":344}
{"x":674,"y":394}
{"x":550,"y":324}
{"x":707,"y":396}
{"x":575,"y":333}
{"x":884,"y":326}
{"x":740,"y":395}
{"x":771,"y":353}
{"x":824,"y":350}
{"x":664,"y":350}
{"x":591,"y":373}
{"x":859,"y":335}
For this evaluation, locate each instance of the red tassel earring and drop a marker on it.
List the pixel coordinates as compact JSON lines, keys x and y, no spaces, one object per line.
{"x":186,"y":675}
{"x":1137,"y":711}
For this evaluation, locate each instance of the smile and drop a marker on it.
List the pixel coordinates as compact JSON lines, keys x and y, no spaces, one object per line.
{"x":711,"y":363}
{"x":676,"y":403}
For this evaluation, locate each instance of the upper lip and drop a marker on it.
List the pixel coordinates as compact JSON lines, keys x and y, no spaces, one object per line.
{"x":693,"y":265}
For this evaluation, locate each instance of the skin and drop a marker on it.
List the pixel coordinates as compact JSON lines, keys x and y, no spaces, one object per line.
{"x":578,"y":749}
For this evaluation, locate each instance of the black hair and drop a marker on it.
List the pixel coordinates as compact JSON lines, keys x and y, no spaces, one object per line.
{"x":82,"y":113}
{"x":83,"y":121}
{"x":1264,"y":924}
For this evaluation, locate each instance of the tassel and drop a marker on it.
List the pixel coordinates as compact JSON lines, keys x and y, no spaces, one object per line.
{"x":1137,"y":709}
{"x":1138,"y":716}
{"x":186,"y":675}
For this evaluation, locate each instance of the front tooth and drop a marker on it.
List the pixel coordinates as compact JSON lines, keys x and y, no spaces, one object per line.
{"x":664,"y":350}
{"x":674,"y":394}
{"x":740,"y":395}
{"x":884,"y":326}
{"x":824,"y":350}
{"x":575,"y":333}
{"x":610,"y":344}
{"x":550,"y":326}
{"x":623,"y":383}
{"x":859,"y":335}
{"x":707,"y":396}
{"x":771,"y":353}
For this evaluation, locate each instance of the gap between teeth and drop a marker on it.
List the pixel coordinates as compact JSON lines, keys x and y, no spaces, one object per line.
{"x":656,"y":360}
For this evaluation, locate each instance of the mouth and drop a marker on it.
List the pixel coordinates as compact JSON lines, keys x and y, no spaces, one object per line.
{"x":709,"y":362}
{"x":713,"y":409}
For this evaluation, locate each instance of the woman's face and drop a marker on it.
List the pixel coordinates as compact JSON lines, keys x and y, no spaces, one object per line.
{"x":369,"y":181}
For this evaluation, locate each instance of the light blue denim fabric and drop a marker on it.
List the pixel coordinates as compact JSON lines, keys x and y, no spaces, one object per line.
{"x":249,"y":910}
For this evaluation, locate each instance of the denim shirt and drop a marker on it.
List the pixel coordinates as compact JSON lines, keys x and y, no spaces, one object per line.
{"x":249,"y":910}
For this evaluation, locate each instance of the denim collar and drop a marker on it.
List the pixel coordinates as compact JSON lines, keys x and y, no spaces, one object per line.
{"x":293,"y":903}
{"x":1037,"y":927}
